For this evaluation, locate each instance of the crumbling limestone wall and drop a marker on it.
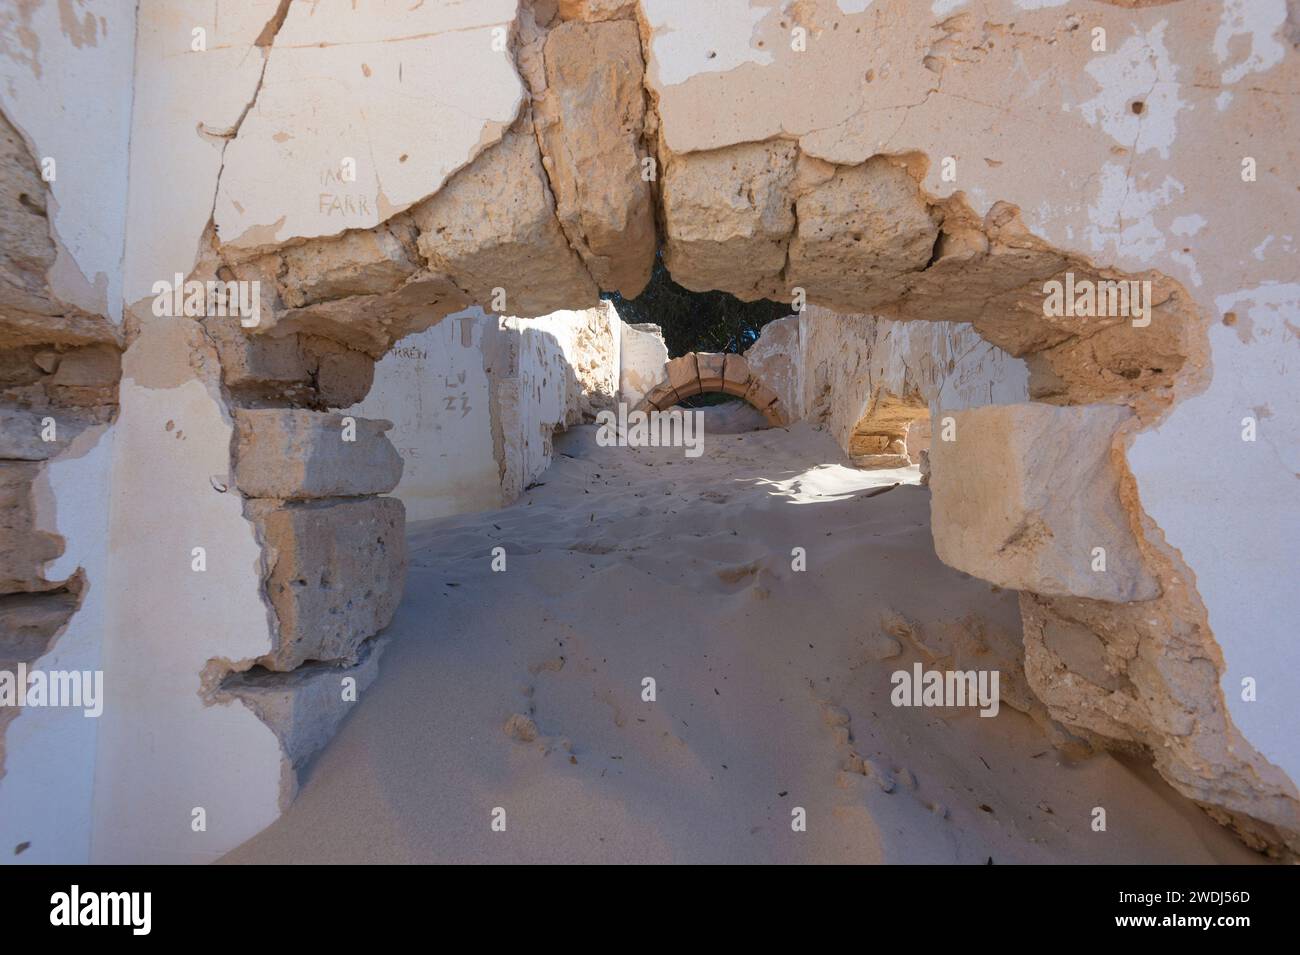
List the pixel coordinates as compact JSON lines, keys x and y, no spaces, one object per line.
{"x":437,"y":388}
{"x":476,"y":399}
{"x":841,"y":370}
{"x":947,"y":166}
{"x":1135,"y":139}
{"x":62,"y":194}
{"x":642,"y":356}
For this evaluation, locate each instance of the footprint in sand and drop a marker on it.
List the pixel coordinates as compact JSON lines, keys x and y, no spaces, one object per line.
{"x":740,"y":572}
{"x":755,"y":576}
{"x":854,"y":769}
{"x":553,"y":665}
{"x":617,"y":711}
{"x":521,"y":728}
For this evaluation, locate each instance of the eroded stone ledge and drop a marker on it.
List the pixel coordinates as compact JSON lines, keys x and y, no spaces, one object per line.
{"x":335,"y":574}
{"x":1024,"y":495}
{"x":295,"y":454}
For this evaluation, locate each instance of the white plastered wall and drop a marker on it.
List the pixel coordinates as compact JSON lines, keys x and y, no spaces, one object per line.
{"x":66,"y":86}
{"x":434,"y":387}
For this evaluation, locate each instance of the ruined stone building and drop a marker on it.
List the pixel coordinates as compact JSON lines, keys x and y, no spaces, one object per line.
{"x":1052,"y":245}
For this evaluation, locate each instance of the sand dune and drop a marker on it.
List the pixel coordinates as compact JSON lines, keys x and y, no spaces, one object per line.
{"x":522,"y":690}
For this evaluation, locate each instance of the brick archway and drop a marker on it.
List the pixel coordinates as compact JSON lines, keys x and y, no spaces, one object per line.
{"x":703,"y":372}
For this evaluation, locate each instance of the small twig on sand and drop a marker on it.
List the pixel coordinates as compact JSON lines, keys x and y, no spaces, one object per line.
{"x":881,"y":490}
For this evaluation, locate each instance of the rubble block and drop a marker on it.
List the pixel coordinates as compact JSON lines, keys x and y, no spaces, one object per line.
{"x":303,"y":369}
{"x":776,"y":415}
{"x":590,"y":123}
{"x":493,"y":226}
{"x":21,"y":434}
{"x":880,"y":462}
{"x":861,"y":444}
{"x":593,"y":10}
{"x":293,"y":454}
{"x":736,"y":376}
{"x":305,"y":707}
{"x":30,"y":622}
{"x":372,"y":323}
{"x":367,"y":262}
{"x":711,"y":368}
{"x":684,"y":376}
{"x":1025,"y":494}
{"x":26,"y":549}
{"x":27,"y":253}
{"x":759,"y":395}
{"x":660,"y":397}
{"x":728,"y":217}
{"x":858,"y":233}
{"x":334,"y":574}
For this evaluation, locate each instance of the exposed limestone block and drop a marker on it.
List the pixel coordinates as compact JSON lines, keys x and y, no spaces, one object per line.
{"x":1148,"y":675}
{"x":768,"y":402}
{"x":711,"y":368}
{"x":858,"y":234}
{"x":1026,"y":493}
{"x":777,"y":358}
{"x":26,"y":550}
{"x":736,"y":375}
{"x":590,"y":356}
{"x":590,"y":122}
{"x":21,"y":433}
{"x":384,"y":293}
{"x":592,"y":10}
{"x":301,"y":370}
{"x":875,"y":444}
{"x":882,"y":461}
{"x":728,"y":216}
{"x":1077,"y":359}
{"x":1000,"y":267}
{"x":335,"y":570}
{"x":30,"y":622}
{"x":29,"y":313}
{"x":86,"y":376}
{"x":305,"y":706}
{"x":879,"y":440}
{"x":1120,"y":361}
{"x":356,"y":263}
{"x":684,"y":375}
{"x":293,"y":454}
{"x":529,"y":42}
{"x":27,"y":251}
{"x":661,"y":396}
{"x":493,"y":226}
{"x":373,"y":323}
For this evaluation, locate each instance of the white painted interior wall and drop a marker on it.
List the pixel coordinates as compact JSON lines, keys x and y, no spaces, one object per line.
{"x":68,"y":92}
{"x":434,"y":387}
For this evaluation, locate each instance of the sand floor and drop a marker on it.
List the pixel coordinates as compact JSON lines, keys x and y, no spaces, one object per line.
{"x":772,"y":687}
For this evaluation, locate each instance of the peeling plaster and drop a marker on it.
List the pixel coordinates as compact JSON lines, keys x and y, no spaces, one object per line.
{"x":1137,"y":76}
{"x":1259,"y":20}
